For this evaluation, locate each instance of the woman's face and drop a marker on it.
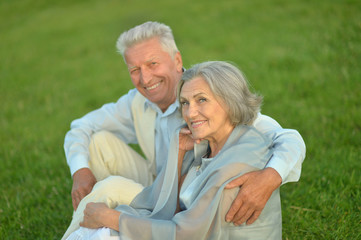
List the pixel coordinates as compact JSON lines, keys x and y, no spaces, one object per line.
{"x":205,"y":114}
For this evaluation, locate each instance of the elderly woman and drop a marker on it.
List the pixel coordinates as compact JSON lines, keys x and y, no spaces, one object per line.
{"x":188,"y":199}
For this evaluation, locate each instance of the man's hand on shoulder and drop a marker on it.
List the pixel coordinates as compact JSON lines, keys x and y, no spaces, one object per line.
{"x":255,"y":190}
{"x":83,"y":182}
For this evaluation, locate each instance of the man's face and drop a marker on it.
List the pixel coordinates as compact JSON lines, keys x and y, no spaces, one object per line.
{"x":153,"y":71}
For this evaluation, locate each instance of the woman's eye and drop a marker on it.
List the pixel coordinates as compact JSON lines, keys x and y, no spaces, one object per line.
{"x":202,"y":100}
{"x":184,"y":103}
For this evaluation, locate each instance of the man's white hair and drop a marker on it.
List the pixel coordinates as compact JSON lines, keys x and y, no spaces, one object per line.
{"x":146,"y":31}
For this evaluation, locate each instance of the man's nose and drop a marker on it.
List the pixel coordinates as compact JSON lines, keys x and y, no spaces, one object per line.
{"x":145,"y":75}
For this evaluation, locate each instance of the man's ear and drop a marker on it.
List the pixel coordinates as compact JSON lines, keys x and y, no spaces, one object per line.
{"x":178,"y":62}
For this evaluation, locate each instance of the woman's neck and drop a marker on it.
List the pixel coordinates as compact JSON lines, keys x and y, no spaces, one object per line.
{"x":216,"y":144}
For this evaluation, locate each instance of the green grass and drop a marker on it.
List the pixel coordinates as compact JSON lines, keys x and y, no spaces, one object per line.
{"x":58,"y":62}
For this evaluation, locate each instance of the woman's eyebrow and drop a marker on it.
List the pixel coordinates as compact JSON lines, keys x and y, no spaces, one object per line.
{"x":200,"y":93}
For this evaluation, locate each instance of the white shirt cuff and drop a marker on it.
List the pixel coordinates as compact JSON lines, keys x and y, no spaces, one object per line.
{"x":279,"y":166}
{"x":77,"y":163}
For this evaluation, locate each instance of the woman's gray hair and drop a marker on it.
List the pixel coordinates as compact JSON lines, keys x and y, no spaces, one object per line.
{"x":229,"y":84}
{"x":147,"y":31}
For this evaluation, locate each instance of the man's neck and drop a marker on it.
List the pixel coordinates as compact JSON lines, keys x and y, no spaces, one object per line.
{"x":164,"y":107}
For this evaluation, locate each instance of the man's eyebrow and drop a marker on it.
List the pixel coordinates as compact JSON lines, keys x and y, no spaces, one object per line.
{"x":151,"y":60}
{"x":133,"y":67}
{"x":148,"y":61}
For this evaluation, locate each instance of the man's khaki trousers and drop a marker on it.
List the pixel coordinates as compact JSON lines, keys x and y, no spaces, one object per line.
{"x":121,"y":174}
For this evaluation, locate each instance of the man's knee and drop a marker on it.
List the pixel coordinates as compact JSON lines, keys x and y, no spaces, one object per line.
{"x":109,"y":155}
{"x":103,"y":136}
{"x":105,"y":147}
{"x":106,"y":142}
{"x":116,"y":190}
{"x":114,"y":182}
{"x":106,"y":185}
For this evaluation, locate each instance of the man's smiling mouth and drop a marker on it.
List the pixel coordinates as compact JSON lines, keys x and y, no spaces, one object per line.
{"x":153,"y":86}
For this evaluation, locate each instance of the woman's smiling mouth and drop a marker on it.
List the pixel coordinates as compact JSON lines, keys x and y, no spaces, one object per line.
{"x":196,"y":124}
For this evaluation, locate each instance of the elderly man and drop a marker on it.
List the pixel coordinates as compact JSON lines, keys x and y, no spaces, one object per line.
{"x":106,"y":169}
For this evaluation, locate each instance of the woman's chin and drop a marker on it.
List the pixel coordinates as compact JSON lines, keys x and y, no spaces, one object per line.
{"x":197,"y":137}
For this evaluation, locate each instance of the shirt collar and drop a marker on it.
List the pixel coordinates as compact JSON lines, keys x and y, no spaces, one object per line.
{"x":171,"y":109}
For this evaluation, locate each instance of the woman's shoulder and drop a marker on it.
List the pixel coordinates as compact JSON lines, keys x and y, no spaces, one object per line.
{"x":244,"y":134}
{"x":247,"y":145}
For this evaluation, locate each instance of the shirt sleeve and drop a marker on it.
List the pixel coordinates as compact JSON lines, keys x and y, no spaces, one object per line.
{"x":288,"y":146}
{"x":203,"y":219}
{"x":113,"y":117}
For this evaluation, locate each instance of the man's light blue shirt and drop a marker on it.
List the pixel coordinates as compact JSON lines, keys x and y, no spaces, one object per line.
{"x":165,"y":125}
{"x":289,"y":147}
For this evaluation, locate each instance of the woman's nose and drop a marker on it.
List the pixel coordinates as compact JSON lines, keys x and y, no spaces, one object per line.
{"x":192,"y":110}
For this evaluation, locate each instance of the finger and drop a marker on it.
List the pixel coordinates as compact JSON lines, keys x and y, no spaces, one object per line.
{"x":240,"y":212}
{"x":254,"y":217}
{"x":241,"y":220}
{"x":82,"y":224}
{"x":75,"y":200}
{"x":236,"y":182}
{"x":77,"y":197}
{"x":74,"y":203}
{"x":237,"y":203}
{"x":185,"y":131}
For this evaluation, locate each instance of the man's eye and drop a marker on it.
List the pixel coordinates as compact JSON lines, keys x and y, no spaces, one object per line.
{"x":134,"y":70}
{"x":153,"y":64}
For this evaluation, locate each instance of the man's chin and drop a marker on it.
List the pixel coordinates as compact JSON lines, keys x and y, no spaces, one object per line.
{"x":154,"y":99}
{"x":150,"y":96}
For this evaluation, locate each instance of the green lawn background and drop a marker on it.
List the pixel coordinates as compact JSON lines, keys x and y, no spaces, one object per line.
{"x":59,"y":61}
